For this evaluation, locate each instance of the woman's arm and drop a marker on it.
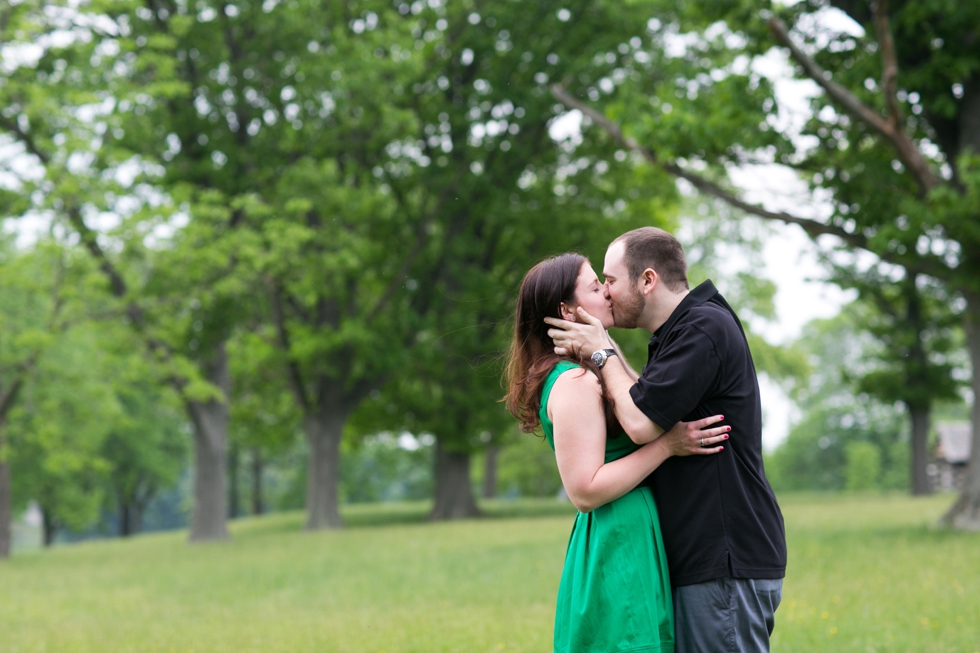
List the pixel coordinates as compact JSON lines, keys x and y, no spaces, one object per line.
{"x":588,"y":336}
{"x":575,"y":409}
{"x":640,"y":428}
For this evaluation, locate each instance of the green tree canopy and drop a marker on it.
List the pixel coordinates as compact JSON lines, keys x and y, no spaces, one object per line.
{"x":892,"y":141}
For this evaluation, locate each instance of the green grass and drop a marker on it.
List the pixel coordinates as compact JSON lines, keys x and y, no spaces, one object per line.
{"x":866,"y":574}
{"x":872,"y":573}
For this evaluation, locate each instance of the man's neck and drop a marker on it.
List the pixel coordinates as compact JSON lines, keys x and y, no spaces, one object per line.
{"x":664,"y":308}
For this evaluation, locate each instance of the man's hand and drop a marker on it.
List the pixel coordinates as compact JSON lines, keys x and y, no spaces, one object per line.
{"x":583,"y":337}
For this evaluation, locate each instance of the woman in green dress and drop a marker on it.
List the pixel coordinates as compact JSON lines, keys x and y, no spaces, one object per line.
{"x":614,"y":594}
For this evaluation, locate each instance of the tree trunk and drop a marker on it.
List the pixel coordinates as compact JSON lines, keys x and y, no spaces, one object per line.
{"x":6,"y":500}
{"x":920,"y":458}
{"x":917,"y":384}
{"x":6,"y":515}
{"x":48,"y":527}
{"x":965,"y":512}
{"x":234,"y":494}
{"x":136,"y":521}
{"x":125,"y":519}
{"x":490,"y":472}
{"x":257,"y":466}
{"x":454,"y":492}
{"x":209,"y":518}
{"x":130,"y":517}
{"x":323,"y":428}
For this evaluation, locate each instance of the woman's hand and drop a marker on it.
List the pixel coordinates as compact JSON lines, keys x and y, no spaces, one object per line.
{"x":694,"y":439}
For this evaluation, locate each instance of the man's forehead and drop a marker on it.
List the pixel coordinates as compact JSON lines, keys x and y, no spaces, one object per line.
{"x":614,"y":257}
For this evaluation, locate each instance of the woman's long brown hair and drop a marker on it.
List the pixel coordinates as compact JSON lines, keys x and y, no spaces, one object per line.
{"x":532,"y":352}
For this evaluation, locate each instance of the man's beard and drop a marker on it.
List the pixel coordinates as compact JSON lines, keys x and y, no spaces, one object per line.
{"x":626,"y":312}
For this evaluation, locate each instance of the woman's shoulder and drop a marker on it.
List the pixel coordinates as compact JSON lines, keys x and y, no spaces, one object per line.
{"x":581,"y":378}
{"x":574,"y":392}
{"x":563,"y":366}
{"x":559,"y":377}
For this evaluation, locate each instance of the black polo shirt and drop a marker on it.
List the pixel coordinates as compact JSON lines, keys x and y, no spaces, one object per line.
{"x":718,"y":515}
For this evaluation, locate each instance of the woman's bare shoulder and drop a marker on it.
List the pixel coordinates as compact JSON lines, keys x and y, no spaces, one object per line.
{"x":576,"y":380}
{"x":575,"y":395}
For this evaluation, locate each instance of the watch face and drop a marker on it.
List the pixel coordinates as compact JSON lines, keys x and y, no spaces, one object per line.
{"x":598,"y":359}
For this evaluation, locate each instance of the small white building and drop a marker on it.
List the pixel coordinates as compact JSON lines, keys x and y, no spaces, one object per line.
{"x":952,"y":454}
{"x":27,"y":529}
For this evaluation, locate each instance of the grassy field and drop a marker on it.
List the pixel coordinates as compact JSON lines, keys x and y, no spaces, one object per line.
{"x":866,"y":574}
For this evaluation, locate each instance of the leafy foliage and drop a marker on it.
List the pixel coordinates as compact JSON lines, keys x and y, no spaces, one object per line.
{"x":845,"y":439}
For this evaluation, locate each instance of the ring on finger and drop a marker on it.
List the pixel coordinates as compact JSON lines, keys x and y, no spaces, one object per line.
{"x":702,"y":442}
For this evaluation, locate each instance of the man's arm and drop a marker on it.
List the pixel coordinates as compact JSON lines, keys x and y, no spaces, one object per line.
{"x":622,"y":359}
{"x":579,"y":436}
{"x":588,"y":336}
{"x":640,"y":428}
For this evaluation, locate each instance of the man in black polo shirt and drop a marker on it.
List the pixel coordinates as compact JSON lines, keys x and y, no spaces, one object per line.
{"x":722,"y":528}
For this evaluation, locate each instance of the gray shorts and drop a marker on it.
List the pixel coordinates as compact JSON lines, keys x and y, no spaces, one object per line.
{"x":730,"y":615}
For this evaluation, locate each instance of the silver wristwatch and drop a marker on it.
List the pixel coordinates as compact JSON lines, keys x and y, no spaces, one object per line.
{"x":599,"y":358}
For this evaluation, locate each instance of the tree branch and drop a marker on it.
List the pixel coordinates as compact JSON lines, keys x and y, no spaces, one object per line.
{"x":119,"y":290}
{"x":8,"y":398}
{"x":292,"y":369}
{"x":90,"y":240}
{"x":904,"y":146}
{"x":421,"y":237}
{"x":24,"y":368}
{"x":5,"y":15}
{"x":612,"y":128}
{"x":889,"y":62}
{"x":363,"y":387}
{"x":931,"y":266}
{"x":812,"y":227}
{"x":26,"y":139}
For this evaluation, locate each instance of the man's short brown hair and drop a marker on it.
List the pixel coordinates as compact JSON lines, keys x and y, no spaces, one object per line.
{"x":649,"y":247}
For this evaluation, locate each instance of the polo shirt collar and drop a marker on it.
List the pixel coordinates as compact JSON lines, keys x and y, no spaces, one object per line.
{"x":703,"y":293}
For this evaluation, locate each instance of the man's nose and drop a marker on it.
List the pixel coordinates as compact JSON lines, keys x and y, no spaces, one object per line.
{"x":605,"y":291}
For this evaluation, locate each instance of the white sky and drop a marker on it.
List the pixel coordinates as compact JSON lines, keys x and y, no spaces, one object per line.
{"x":800,"y":297}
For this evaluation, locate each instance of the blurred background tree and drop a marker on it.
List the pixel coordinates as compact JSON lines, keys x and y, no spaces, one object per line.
{"x":892,"y":109}
{"x":845,"y":438}
{"x":32,"y":321}
{"x":145,"y":450}
{"x":917,"y":330}
{"x":296,"y":230}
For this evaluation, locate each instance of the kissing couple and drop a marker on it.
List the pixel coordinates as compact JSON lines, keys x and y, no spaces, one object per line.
{"x":679,"y":543}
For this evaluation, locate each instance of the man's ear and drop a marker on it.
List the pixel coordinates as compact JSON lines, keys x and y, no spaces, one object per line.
{"x":648,"y":281}
{"x":567,"y":312}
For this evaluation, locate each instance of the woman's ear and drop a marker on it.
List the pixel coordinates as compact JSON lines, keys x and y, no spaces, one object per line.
{"x":567,"y":312}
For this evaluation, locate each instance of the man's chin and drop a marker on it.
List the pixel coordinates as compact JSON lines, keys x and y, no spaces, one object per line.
{"x":624,"y":323}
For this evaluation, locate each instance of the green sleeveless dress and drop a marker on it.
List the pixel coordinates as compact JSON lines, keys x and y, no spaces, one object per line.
{"x":614,"y":595}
